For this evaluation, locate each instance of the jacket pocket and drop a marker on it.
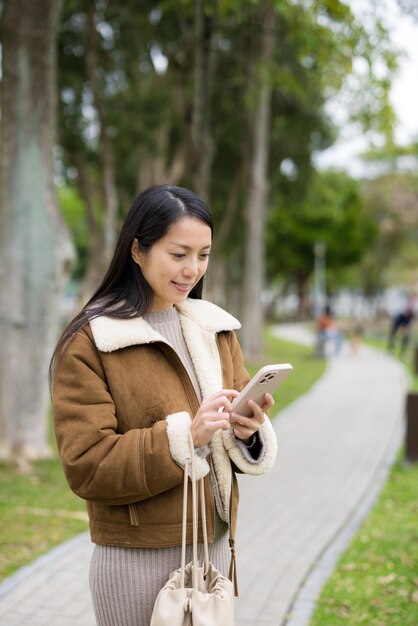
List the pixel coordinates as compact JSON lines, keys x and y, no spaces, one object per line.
{"x":153,"y":415}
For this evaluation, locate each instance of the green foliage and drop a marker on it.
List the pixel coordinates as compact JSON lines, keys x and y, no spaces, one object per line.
{"x":391,"y":202}
{"x":331,"y":211}
{"x":376,"y":582}
{"x":306,"y":369}
{"x":391,"y":154}
{"x":73,"y":211}
{"x":146,"y":108}
{"x":131,"y":97}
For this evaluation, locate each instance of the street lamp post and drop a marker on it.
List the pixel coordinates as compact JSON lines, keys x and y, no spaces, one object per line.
{"x":320,"y":250}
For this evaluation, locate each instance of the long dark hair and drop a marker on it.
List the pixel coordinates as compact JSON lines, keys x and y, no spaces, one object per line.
{"x":124,"y":292}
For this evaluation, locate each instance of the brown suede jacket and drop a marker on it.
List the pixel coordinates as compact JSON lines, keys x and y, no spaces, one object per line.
{"x":123,"y":403}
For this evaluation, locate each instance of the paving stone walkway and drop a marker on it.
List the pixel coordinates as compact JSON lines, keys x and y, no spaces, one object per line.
{"x":334,"y":444}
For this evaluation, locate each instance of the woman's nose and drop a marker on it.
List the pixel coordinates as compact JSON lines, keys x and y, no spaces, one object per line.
{"x":191,"y":268}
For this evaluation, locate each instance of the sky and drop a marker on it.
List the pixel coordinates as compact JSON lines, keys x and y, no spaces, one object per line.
{"x":405,"y":89}
{"x":404,"y":97}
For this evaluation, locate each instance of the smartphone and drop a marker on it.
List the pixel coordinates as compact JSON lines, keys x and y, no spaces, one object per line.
{"x":267,"y":379}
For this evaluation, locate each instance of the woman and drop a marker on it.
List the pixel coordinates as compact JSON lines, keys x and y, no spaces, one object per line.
{"x":144,"y":362}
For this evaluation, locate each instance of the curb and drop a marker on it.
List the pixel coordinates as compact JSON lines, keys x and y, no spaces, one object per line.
{"x":304,"y":602}
{"x":27,"y":570}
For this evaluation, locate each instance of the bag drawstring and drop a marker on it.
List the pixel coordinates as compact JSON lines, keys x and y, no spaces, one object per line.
{"x":233,"y":567}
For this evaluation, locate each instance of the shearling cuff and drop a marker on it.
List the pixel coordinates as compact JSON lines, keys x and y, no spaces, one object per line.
{"x":178,"y":426}
{"x":267,"y":456}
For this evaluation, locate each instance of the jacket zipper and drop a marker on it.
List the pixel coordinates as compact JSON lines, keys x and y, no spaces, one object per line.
{"x":216,"y":497}
{"x":172,"y":356}
{"x":212,"y":485}
{"x":177,"y":363}
{"x":191,"y":395}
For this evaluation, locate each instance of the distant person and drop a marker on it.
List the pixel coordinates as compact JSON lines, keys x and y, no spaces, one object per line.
{"x":328,"y":332}
{"x":400,"y":331}
{"x":356,"y":337}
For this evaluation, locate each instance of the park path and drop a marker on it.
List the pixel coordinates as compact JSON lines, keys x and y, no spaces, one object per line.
{"x":335,"y":444}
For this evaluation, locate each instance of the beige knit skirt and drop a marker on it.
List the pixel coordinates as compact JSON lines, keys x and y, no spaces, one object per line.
{"x":125,"y":582}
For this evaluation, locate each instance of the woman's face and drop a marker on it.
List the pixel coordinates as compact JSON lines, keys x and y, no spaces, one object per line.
{"x":176,"y":262}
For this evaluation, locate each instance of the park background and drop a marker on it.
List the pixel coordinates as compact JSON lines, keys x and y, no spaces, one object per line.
{"x":240,"y":101}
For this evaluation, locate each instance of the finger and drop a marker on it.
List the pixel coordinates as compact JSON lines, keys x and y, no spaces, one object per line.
{"x":257,"y":410}
{"x":268,"y":400}
{"x":242,"y":422}
{"x":215,"y":416}
{"x":221,"y":403}
{"x":243,"y":433}
{"x":223,"y":424}
{"x":229,"y":393}
{"x":222,"y":416}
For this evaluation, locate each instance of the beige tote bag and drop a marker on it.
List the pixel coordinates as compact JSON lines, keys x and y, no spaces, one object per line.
{"x":194,"y":594}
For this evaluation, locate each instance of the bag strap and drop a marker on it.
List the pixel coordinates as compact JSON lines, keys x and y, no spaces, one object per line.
{"x":191,"y":463}
{"x":204,"y":525}
{"x":184,"y":522}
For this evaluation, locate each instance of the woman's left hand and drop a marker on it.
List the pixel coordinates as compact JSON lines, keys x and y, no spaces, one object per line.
{"x":245,"y":427}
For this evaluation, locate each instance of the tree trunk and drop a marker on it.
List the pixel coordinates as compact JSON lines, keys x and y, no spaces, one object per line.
{"x":216,"y":279}
{"x":204,"y":69}
{"x":302,"y":286}
{"x":35,"y":249}
{"x":257,"y":197}
{"x":108,"y":185}
{"x":154,"y":168}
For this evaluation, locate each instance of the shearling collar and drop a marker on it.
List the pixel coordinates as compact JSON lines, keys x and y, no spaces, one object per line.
{"x":113,"y":334}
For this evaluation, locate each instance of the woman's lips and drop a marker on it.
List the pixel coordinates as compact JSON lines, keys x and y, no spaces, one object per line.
{"x":182,"y":287}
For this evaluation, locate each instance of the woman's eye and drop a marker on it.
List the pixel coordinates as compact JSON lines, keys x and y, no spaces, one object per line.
{"x":180,"y":255}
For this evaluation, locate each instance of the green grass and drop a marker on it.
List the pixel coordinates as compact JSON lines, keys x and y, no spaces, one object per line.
{"x":407,"y":359}
{"x":376,"y":581}
{"x":306,"y":369}
{"x":38,"y":511}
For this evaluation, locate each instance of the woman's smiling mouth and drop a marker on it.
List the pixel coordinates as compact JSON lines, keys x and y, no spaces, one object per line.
{"x":182,"y":287}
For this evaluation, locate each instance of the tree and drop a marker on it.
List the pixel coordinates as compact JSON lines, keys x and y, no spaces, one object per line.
{"x":183,"y":97}
{"x":122,"y":120}
{"x":331,"y":211}
{"x":255,"y":207}
{"x":391,"y":201}
{"x":98,"y":189}
{"x":35,"y":250}
{"x":319,"y":49}
{"x":204,"y":68}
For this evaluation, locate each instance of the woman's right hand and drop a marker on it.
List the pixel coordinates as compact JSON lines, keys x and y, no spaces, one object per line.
{"x":208,"y":419}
